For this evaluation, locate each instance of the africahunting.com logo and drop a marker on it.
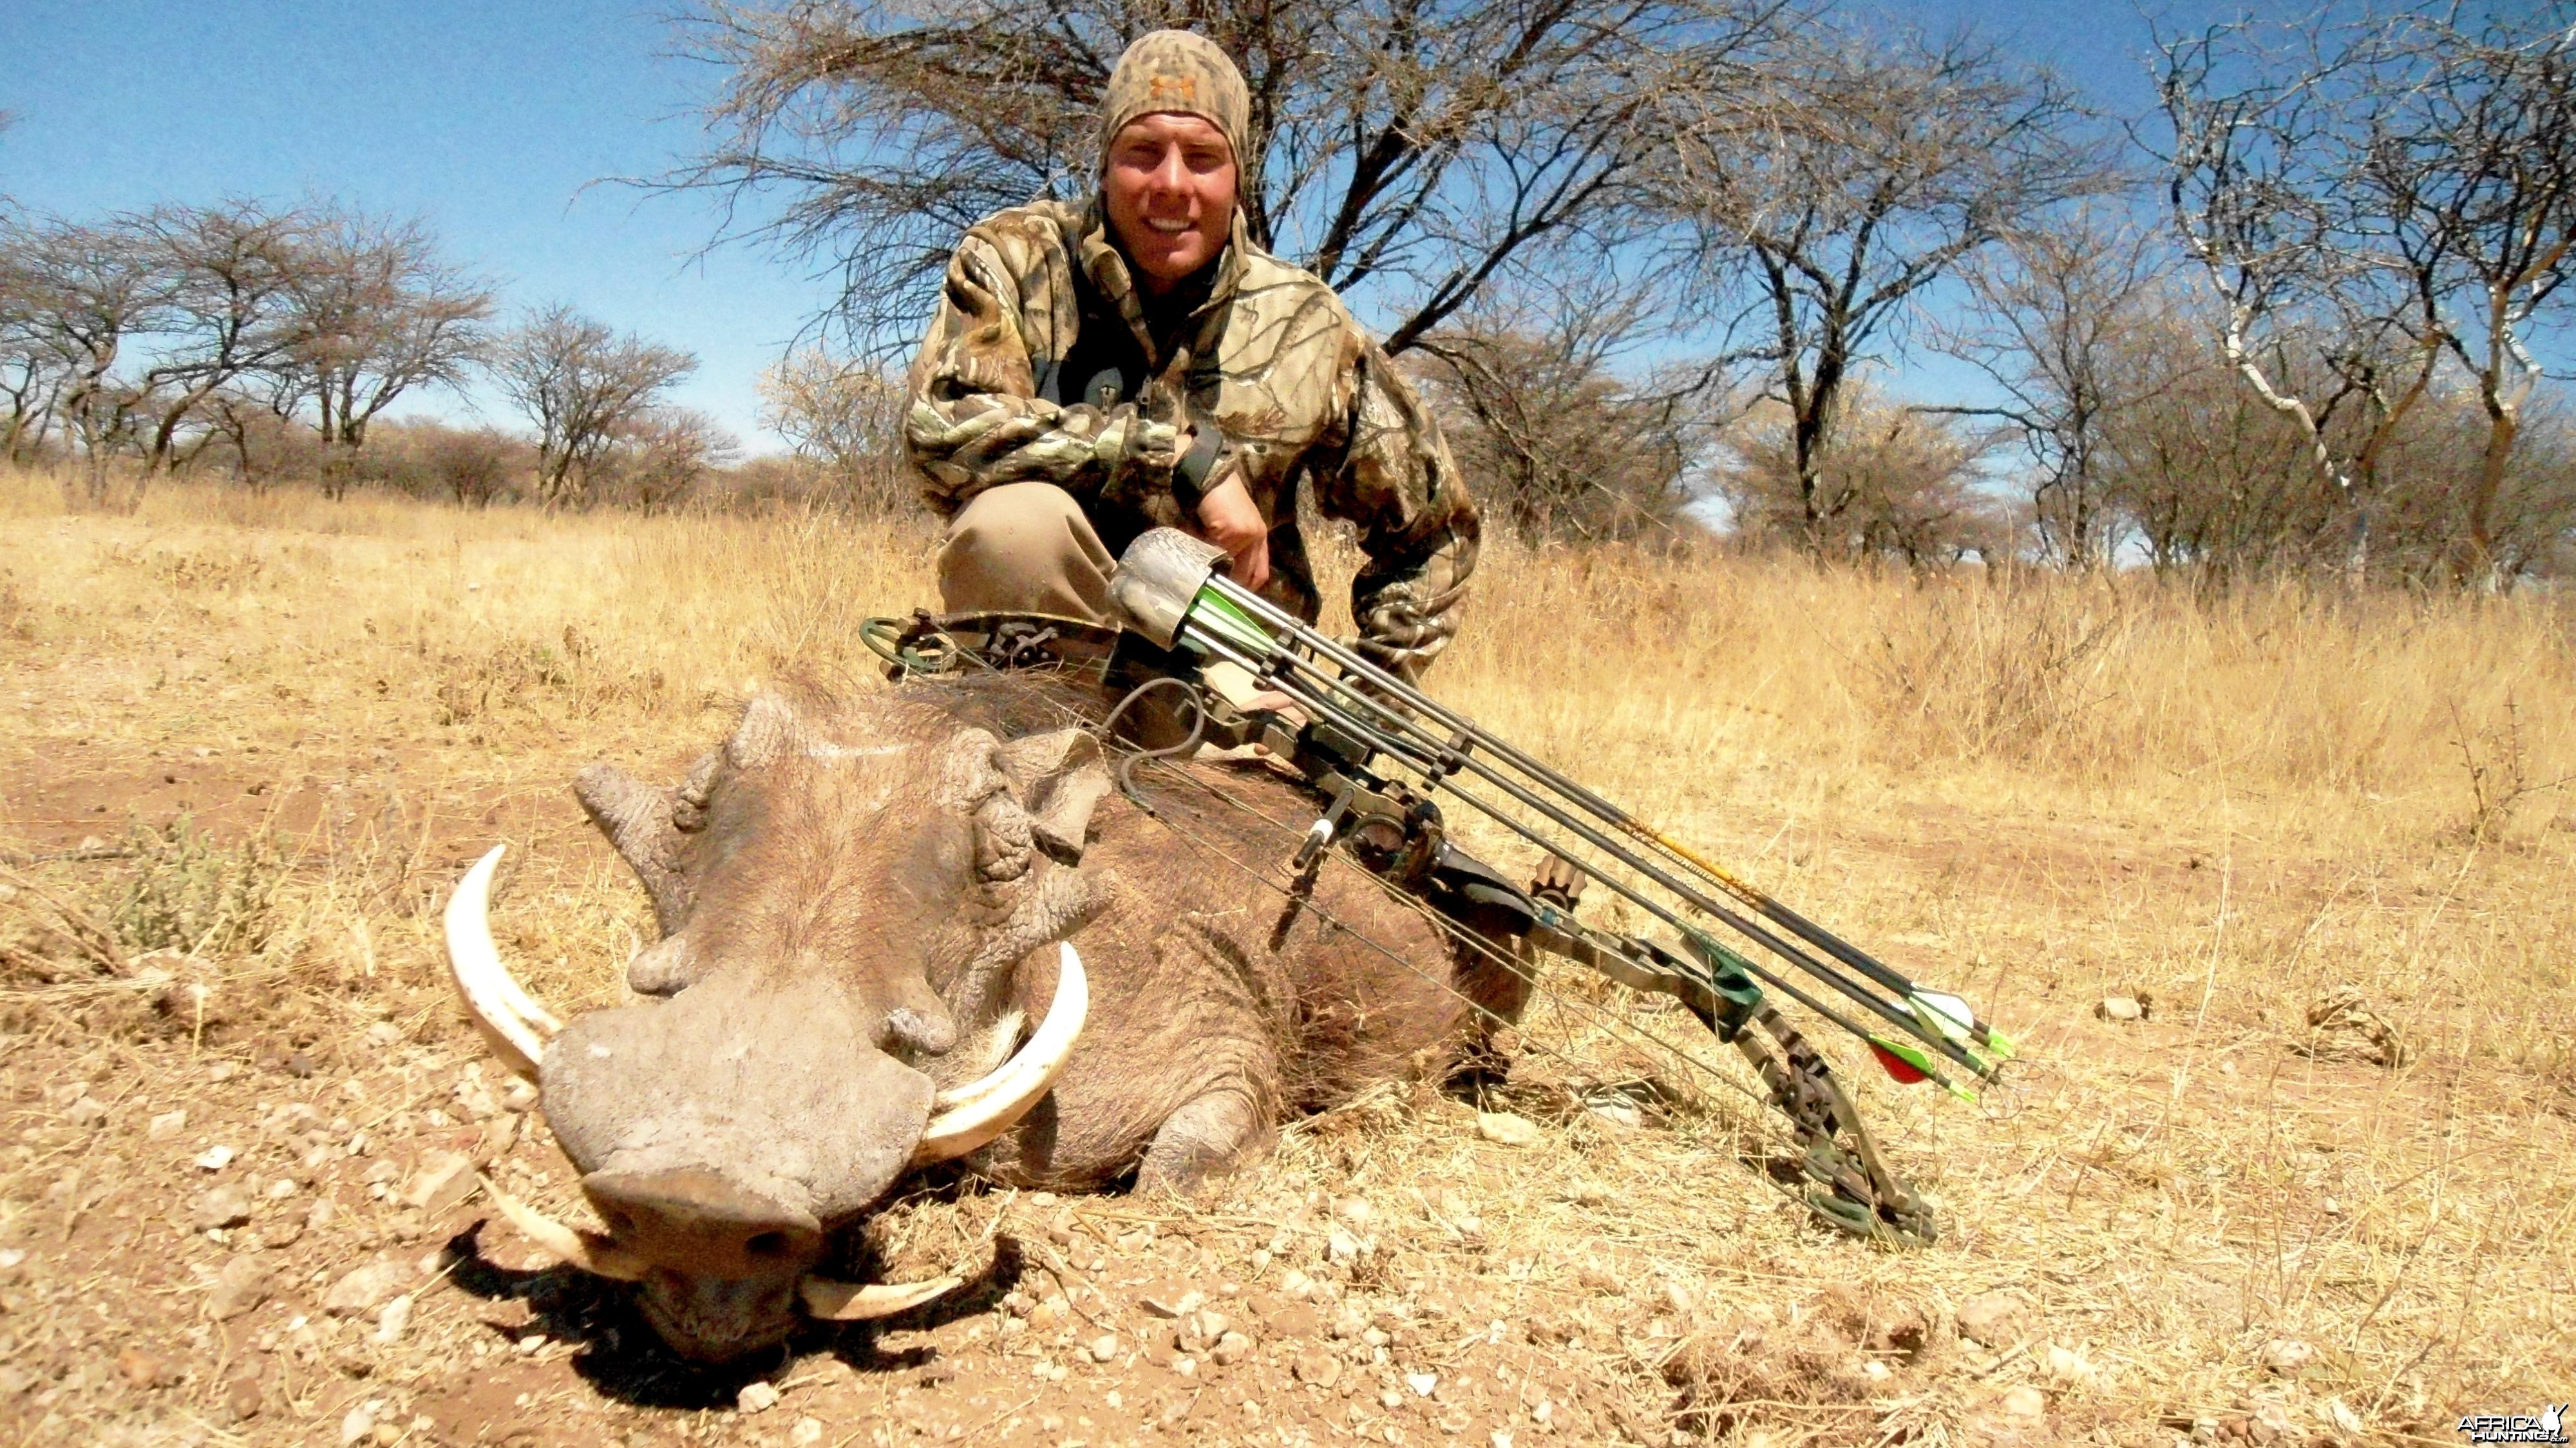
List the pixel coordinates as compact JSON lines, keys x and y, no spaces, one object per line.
{"x":2515,"y":1428}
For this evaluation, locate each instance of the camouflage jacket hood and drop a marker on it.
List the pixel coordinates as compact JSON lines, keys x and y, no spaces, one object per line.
{"x":1045,"y":364}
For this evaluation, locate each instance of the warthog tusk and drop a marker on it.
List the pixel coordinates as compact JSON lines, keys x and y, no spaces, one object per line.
{"x":588,"y":1251}
{"x":515,"y":1026}
{"x":975,"y":1114}
{"x":849,"y":1302}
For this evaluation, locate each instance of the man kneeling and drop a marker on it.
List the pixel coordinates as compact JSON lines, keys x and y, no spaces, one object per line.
{"x":1133,"y":362}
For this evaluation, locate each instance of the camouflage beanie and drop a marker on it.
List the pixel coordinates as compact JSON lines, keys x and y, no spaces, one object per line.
{"x":1177,"y":71}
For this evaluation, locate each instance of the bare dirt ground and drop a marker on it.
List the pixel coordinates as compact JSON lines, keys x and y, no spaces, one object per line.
{"x":236,"y":1178}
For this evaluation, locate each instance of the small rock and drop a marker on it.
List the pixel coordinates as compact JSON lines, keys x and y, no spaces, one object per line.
{"x":299,"y":1066}
{"x":166,"y":1125}
{"x":1422,"y":1383}
{"x":807,"y":1432}
{"x":1210,"y":1325}
{"x":359,"y":1424}
{"x":2272,"y":1421}
{"x":2026,"y":1402}
{"x":500,"y":1134}
{"x":1390,"y":1400}
{"x":445,"y":1182}
{"x":1992,"y":1318}
{"x":223,"y":1206}
{"x":1169,"y":1305}
{"x":2119,"y":1008}
{"x":1318,"y":1367}
{"x":518,"y":1096}
{"x":1230,"y":1349}
{"x":1296,"y":1285}
{"x":1341,"y":1246}
{"x":2287,"y":1356}
{"x":1504,"y":1128}
{"x":239,"y":1287}
{"x":477,"y":1098}
{"x":756,"y":1397}
{"x":391,"y":1322}
{"x":280,"y":1189}
{"x":1104,"y":1348}
{"x":1354,"y":1210}
{"x":241,"y":1397}
{"x":2066,"y":1365}
{"x":87,"y":1111}
{"x":363,"y":1291}
{"x":2340,"y":1417}
{"x":141,"y":1369}
{"x":384,"y":1033}
{"x":215,"y":1158}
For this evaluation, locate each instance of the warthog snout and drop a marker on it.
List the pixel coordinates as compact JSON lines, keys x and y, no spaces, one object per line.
{"x":845,"y":925}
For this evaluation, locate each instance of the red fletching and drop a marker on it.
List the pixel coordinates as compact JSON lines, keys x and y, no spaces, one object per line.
{"x":1896,"y":1066}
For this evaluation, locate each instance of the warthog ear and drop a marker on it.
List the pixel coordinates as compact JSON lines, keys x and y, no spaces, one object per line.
{"x":1060,"y":778}
{"x":636,"y":817}
{"x":769,"y":729}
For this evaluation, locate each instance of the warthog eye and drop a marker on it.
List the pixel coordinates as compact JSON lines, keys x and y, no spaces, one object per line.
{"x":767,"y":1244}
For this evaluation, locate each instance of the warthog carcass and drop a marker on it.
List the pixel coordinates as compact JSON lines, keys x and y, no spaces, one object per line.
{"x":863,"y":903}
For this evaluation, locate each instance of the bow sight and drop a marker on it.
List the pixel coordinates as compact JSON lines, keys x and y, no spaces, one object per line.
{"x":1382,"y":757}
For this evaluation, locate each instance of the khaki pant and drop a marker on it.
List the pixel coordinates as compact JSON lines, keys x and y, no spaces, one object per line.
{"x":1025,"y":548}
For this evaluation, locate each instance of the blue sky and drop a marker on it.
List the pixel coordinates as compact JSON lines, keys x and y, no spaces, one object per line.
{"x":492,"y":120}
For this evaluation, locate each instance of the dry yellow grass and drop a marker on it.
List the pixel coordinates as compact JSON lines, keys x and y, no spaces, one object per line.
{"x":2032,"y":789}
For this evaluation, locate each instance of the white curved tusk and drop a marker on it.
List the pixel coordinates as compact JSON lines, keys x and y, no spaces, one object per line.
{"x":588,"y":1251}
{"x":516,"y":1027}
{"x":987,"y":1108}
{"x":1004,"y":1031}
{"x":849,"y":1302}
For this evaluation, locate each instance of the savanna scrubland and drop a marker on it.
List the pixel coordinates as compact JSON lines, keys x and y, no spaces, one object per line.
{"x":2322,"y":835}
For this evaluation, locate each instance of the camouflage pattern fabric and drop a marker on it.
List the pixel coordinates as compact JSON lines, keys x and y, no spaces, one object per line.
{"x":1171,"y":71}
{"x":1044,"y":363}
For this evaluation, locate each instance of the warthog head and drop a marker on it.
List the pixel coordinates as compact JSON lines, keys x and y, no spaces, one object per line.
{"x":847,"y":894}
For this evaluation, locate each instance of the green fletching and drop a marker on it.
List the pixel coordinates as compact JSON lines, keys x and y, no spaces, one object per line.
{"x":1213,"y":612}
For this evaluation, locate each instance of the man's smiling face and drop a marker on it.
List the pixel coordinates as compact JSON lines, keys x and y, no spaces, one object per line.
{"x":1169,"y":189}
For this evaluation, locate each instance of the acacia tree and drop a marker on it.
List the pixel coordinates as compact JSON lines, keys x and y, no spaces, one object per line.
{"x":77,"y":296}
{"x":2466,"y":155}
{"x":580,"y":382}
{"x":378,"y":312}
{"x":1883,"y":170}
{"x":1421,"y":149}
{"x":1899,"y":483}
{"x":228,"y":278}
{"x":1561,"y":444}
{"x":2053,"y":311}
{"x":2267,"y":189}
{"x":846,"y":417}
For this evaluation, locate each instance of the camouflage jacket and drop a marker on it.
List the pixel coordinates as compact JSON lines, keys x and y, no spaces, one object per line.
{"x":1045,"y":365}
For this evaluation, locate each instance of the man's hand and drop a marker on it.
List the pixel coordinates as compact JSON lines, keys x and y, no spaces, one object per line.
{"x":1232,"y":523}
